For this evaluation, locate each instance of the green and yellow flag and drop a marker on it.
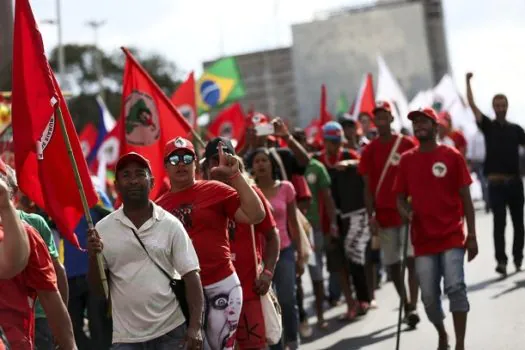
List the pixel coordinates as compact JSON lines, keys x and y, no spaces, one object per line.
{"x":219,"y":84}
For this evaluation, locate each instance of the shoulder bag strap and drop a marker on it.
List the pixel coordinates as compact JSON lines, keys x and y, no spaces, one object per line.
{"x":149,"y":256}
{"x":388,"y":162}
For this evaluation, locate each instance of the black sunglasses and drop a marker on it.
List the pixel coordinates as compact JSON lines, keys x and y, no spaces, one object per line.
{"x":175,"y":159}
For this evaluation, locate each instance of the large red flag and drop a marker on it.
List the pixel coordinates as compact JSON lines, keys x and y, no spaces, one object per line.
{"x":184,"y":100}
{"x":149,"y":118}
{"x":43,"y":167}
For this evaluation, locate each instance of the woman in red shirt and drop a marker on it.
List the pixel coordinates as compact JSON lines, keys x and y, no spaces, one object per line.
{"x":204,"y":208}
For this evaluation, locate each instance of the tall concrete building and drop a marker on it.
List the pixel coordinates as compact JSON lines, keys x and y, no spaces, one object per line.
{"x":269,"y":82}
{"x":339,"y":47}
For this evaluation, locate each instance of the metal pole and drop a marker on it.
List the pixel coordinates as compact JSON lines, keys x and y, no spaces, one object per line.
{"x":98,"y":55}
{"x":61,"y":53}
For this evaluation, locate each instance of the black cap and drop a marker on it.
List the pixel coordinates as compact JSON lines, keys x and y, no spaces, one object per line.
{"x":212,"y":147}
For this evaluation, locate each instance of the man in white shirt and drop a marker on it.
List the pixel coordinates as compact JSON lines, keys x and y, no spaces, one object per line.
{"x":146,"y":312}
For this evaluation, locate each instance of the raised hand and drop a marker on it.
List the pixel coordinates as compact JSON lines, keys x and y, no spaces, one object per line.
{"x":469,"y":75}
{"x":228,"y":164}
{"x":280,"y":127}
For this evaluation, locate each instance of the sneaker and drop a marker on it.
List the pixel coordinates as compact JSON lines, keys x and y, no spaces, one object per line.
{"x":502,"y":269}
{"x":373,"y":304}
{"x":305,"y":329}
{"x":412,"y":319}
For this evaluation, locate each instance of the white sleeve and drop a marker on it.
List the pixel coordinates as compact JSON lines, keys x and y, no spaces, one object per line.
{"x":183,"y":253}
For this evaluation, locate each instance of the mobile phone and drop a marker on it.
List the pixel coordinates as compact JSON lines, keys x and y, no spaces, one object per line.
{"x":264,"y":129}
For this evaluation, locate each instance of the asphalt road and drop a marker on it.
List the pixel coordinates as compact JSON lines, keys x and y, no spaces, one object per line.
{"x":496,"y":320}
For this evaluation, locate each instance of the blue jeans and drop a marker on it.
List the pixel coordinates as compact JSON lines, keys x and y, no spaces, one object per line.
{"x":172,"y":340}
{"x":284,"y":282}
{"x":430,"y":269}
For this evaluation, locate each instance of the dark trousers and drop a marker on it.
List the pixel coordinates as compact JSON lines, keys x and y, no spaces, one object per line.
{"x":100,"y":325}
{"x":509,"y":194}
{"x":359,"y":281}
{"x":300,"y":300}
{"x":43,"y":336}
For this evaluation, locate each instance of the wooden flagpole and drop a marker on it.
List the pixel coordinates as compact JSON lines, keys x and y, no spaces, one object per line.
{"x":83,"y":198}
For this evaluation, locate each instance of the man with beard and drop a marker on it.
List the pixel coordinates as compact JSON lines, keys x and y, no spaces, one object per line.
{"x":433,"y":194}
{"x":505,"y":187}
{"x":142,"y":244}
{"x":379,"y":166}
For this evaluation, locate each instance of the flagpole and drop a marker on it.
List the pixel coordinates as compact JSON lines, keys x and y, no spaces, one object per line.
{"x":163,"y":96}
{"x":83,"y":198}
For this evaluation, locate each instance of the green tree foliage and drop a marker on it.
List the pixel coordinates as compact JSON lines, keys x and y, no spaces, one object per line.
{"x":80,"y":68}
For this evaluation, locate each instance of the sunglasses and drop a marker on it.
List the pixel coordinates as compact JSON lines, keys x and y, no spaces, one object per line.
{"x":187,"y":159}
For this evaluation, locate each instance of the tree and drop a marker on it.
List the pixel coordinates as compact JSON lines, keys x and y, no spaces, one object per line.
{"x":80,"y":69}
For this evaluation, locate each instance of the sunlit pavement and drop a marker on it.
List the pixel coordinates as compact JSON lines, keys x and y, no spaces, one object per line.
{"x":496,"y":320}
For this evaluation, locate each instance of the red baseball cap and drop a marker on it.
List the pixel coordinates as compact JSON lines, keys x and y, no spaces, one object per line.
{"x":178,"y":143}
{"x":426,"y":112}
{"x":132,"y":157}
{"x":383,"y":105}
{"x":259,"y":119}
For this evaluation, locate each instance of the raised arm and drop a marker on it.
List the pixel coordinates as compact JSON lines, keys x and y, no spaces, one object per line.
{"x":298,"y":151}
{"x":14,"y":248}
{"x":470,"y":99}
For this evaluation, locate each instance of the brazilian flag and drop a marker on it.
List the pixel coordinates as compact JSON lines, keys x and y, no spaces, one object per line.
{"x":219,"y":84}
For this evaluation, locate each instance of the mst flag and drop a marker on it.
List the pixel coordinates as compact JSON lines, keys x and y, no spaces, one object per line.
{"x":229,"y":123}
{"x":184,"y":100}
{"x":43,"y":167}
{"x":148,"y":118}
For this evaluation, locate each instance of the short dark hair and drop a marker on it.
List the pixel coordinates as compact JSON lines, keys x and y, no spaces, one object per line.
{"x":275,"y":166}
{"x":500,"y":96}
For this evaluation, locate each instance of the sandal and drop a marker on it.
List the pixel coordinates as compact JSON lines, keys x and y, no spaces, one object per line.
{"x":322,"y":325}
{"x":349,"y":316}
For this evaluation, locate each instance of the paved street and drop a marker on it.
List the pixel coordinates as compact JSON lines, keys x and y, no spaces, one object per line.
{"x":496,"y":320}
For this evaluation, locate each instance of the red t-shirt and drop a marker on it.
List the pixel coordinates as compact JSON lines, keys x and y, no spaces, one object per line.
{"x":433,"y":181}
{"x":242,"y":247}
{"x":373,"y":160}
{"x":18,"y":294}
{"x":204,"y":210}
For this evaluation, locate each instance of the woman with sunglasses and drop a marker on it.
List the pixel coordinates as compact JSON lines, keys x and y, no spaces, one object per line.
{"x":204,"y":208}
{"x":281,"y":195}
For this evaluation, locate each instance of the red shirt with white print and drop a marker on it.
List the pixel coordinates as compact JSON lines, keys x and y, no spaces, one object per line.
{"x":18,"y":294}
{"x":242,"y":247}
{"x":204,"y":209}
{"x":373,"y":161}
{"x":432,"y":180}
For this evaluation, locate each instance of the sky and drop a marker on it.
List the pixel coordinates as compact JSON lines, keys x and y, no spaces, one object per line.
{"x":483,"y":36}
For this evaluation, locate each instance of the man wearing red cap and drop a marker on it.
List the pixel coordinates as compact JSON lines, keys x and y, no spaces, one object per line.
{"x":448,"y":135}
{"x":379,"y":166}
{"x":144,"y":247}
{"x":433,"y":195}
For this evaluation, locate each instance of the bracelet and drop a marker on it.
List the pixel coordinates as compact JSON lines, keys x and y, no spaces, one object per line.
{"x":234,"y":176}
{"x":268,"y":273}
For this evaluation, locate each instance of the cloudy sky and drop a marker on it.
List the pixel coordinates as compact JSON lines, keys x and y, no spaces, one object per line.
{"x":485,"y":36}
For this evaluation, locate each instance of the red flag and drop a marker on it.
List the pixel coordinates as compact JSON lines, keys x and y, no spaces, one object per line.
{"x":148,"y":118}
{"x":88,"y":138}
{"x":365,"y":101}
{"x":109,"y":149}
{"x":43,"y":167}
{"x":230,"y":123}
{"x":324,"y":115}
{"x":184,"y":100}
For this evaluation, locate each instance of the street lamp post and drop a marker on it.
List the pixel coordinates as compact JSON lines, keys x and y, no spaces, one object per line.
{"x":60,"y":46}
{"x":95,"y":25}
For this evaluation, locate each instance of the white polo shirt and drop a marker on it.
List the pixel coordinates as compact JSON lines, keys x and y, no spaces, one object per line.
{"x":143,"y":305}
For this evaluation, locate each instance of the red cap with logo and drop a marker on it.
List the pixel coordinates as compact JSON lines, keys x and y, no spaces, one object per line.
{"x":132,"y":157}
{"x":426,"y":112}
{"x":383,"y":105}
{"x":178,"y":143}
